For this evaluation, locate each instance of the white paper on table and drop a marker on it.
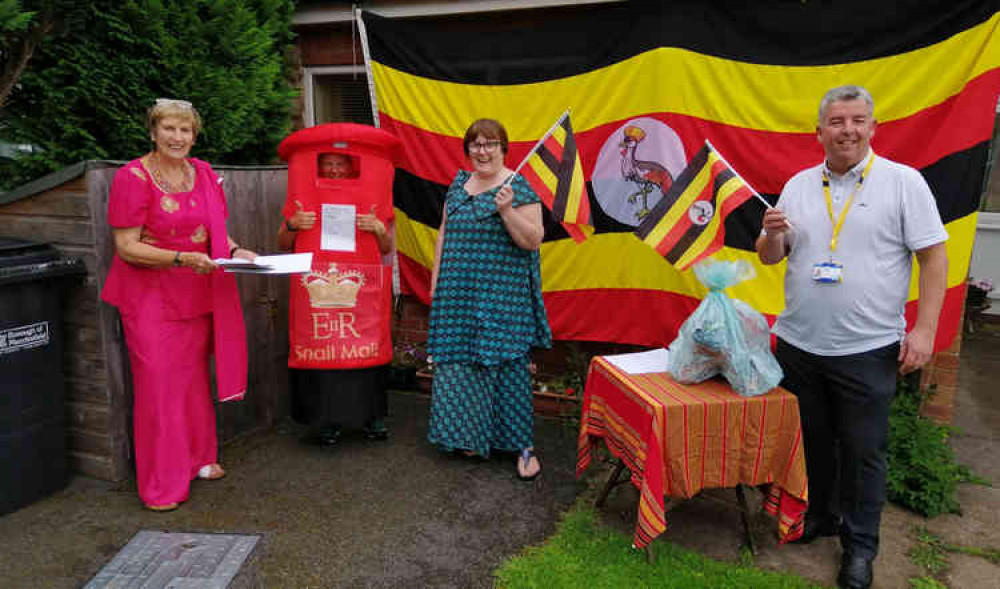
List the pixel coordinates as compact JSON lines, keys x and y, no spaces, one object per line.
{"x":280,"y":264}
{"x":337,"y":224}
{"x":641,"y":362}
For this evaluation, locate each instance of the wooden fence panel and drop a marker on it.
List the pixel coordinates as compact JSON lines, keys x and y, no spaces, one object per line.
{"x":276,"y":330}
{"x":255,"y":198}
{"x":117,"y":379}
{"x":58,"y":203}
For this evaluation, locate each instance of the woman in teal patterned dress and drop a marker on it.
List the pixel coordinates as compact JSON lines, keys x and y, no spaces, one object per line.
{"x":487,"y":310}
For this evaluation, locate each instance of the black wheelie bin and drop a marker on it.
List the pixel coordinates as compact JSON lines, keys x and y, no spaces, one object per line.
{"x":33,"y":452}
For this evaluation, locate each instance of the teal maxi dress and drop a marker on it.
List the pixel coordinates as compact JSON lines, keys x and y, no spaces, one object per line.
{"x":486,"y":315}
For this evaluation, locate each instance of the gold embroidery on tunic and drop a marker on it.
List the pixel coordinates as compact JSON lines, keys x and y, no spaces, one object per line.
{"x":169,"y":205}
{"x":194,"y":203}
{"x":199,"y":235}
{"x":138,"y":173}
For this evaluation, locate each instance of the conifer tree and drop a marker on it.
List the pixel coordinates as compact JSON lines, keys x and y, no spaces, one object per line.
{"x":24,"y":25}
{"x":84,"y":95}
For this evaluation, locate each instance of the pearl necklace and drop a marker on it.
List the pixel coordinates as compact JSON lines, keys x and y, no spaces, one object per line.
{"x":186,"y":183}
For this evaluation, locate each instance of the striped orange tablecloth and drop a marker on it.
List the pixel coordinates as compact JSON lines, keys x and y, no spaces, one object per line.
{"x":678,"y":439}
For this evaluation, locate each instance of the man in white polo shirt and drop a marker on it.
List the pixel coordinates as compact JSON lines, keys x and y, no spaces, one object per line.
{"x":849,"y":227}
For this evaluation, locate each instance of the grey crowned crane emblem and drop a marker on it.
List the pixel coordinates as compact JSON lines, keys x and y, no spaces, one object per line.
{"x":647,"y":175}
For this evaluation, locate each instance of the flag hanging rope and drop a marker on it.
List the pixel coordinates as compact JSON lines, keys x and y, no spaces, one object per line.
{"x":368,"y":65}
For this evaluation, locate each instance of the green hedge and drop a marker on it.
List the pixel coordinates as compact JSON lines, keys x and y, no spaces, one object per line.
{"x":85,"y":94}
{"x":923,"y":474}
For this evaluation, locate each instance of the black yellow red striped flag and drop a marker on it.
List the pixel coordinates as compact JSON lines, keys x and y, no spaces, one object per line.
{"x":688,"y":224}
{"x":647,"y":84}
{"x":554,"y":171}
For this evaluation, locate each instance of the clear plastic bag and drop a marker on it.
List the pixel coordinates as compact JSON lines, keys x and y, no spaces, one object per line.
{"x":725,"y":336}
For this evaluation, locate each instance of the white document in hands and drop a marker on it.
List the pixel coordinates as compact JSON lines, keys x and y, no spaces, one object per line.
{"x":236,"y":264}
{"x":280,"y":264}
{"x":338,"y":224}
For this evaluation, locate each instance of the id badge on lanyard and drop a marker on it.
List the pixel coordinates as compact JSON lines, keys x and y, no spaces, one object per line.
{"x":831,"y":271}
{"x":828,"y":272}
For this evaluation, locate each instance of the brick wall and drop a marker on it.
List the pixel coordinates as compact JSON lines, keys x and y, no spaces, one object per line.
{"x":942,"y":371}
{"x":410,"y":323}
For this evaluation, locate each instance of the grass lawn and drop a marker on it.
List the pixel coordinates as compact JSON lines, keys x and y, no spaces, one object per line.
{"x":584,"y":553}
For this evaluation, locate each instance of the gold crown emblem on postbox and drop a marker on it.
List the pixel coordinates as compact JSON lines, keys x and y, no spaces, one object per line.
{"x":333,"y":288}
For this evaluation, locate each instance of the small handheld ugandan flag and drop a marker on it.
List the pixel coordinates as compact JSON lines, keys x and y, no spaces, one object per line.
{"x":688,"y":224}
{"x":553,"y":170}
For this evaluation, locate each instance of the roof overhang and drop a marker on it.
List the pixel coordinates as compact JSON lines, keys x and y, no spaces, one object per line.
{"x":322,"y":13}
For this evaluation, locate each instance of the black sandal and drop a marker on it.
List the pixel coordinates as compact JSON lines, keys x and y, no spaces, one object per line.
{"x":526,"y":455}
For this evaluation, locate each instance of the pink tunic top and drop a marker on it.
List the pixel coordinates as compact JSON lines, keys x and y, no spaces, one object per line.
{"x":182,"y":221}
{"x":177,"y":221}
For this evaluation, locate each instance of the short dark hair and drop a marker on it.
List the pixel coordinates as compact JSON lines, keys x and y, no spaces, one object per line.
{"x":847,"y":92}
{"x":488,"y":128}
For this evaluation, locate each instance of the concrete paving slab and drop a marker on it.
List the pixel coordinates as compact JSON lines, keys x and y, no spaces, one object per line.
{"x":972,"y":572}
{"x":177,"y":560}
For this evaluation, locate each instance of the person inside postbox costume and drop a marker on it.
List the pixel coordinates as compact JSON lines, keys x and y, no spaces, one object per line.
{"x":339,"y":208}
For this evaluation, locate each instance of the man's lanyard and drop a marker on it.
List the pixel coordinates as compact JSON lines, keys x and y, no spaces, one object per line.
{"x":839,"y":223}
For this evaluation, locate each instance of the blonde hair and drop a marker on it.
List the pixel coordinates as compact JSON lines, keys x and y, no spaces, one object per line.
{"x":169,"y":107}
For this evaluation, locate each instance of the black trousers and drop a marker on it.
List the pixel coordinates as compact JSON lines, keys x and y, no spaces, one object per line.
{"x":844,"y":406}
{"x":348,"y":397}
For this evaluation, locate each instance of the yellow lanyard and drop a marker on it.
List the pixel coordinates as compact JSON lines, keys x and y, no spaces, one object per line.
{"x":839,"y":223}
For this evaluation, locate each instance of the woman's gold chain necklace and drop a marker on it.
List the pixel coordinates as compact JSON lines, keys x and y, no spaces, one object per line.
{"x":186,"y":183}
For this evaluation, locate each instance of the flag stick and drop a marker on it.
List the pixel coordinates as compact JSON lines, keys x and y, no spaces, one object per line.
{"x":721,"y":157}
{"x":537,"y":145}
{"x":755,"y":193}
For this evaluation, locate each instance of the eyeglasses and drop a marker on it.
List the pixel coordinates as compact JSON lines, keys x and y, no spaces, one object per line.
{"x":485,"y":146}
{"x":173,"y":102}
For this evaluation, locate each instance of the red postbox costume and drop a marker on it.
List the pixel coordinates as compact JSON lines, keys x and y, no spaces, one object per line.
{"x":340,"y":313}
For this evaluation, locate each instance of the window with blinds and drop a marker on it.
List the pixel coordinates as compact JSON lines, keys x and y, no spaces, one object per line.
{"x":341,"y":98}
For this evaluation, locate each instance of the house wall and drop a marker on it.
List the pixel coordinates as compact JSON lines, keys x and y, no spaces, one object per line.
{"x":327,"y":41}
{"x":985,"y":259}
{"x":333,"y":44}
{"x":411,"y":321}
{"x":329,"y":45}
{"x":942,"y":371}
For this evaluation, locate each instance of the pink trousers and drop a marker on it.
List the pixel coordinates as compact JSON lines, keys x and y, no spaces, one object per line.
{"x":174,"y":414}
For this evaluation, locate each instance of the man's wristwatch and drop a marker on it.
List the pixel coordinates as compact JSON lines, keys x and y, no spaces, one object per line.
{"x":288,"y":225}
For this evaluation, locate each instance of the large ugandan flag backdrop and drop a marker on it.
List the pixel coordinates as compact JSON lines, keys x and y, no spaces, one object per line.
{"x":647,"y":85}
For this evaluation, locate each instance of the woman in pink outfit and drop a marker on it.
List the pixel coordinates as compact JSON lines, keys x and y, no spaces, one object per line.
{"x":167,"y":212}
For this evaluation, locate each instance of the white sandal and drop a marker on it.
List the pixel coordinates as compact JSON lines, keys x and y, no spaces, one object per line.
{"x":211,"y":472}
